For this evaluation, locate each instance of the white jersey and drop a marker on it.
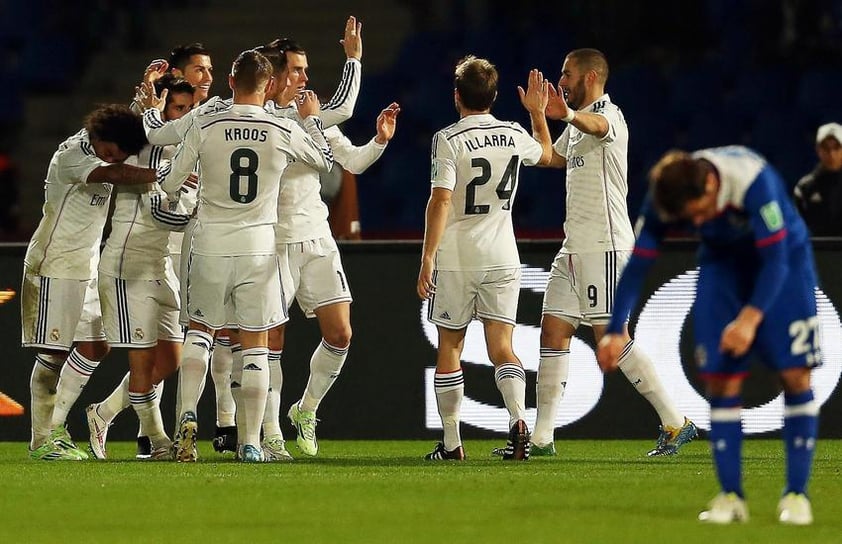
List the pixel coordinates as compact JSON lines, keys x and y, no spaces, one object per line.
{"x":136,"y":249}
{"x":338,"y":109}
{"x":66,"y":242}
{"x":479,"y":159}
{"x":242,"y":152}
{"x":188,"y":199}
{"x":302,"y":215}
{"x":597,"y":214}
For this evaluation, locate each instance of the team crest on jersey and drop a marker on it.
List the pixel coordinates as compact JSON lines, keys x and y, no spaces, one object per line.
{"x":55,"y":335}
{"x":701,"y":356}
{"x":772,"y":216}
{"x":138,"y":334}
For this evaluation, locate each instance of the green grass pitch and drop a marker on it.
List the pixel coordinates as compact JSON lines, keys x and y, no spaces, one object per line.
{"x":382,"y":492}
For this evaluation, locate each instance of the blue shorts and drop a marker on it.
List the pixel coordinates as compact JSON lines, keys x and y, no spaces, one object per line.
{"x":787,"y":337}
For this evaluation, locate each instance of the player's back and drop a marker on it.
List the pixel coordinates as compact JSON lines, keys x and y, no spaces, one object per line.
{"x":241,"y":156}
{"x":479,"y":159}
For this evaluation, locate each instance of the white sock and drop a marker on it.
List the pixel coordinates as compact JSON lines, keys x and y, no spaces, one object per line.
{"x":552,"y":380}
{"x":272,"y":417}
{"x":116,"y":402}
{"x":638,"y":369}
{"x":325,"y":365}
{"x":74,"y":376}
{"x":159,"y":390}
{"x":255,"y":387}
{"x":511,"y":381}
{"x":450,"y":388}
{"x":236,"y":387}
{"x":221,"y":360}
{"x":194,"y":366}
{"x":150,"y":417}
{"x":42,"y":395}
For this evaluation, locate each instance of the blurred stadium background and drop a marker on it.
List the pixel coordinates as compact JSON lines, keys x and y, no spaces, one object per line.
{"x":764,"y":73}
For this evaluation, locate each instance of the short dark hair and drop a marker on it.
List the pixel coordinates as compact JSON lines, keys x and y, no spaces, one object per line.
{"x":276,"y":51}
{"x":675,"y":180}
{"x":118,"y":124}
{"x":251,"y":70}
{"x":591,"y":59}
{"x":174,"y":85}
{"x":180,"y":55}
{"x":476,"y":81}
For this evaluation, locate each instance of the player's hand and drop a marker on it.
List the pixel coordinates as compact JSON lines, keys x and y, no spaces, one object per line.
{"x":307,"y":103}
{"x":738,"y":335}
{"x":387,"y":122}
{"x":146,"y":96}
{"x":537,"y":93}
{"x":155,"y":70}
{"x":556,"y":105}
{"x":608,"y":351}
{"x":426,"y":288}
{"x":352,"y":42}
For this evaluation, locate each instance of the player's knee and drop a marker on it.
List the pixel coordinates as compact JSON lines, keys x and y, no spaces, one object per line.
{"x":94,"y":351}
{"x":339,"y":337}
{"x":276,"y":338}
{"x":554,"y":337}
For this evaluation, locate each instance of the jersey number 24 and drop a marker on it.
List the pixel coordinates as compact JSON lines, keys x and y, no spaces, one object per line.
{"x":505,"y":188}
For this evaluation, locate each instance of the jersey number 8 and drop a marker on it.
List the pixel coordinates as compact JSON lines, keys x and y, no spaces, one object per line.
{"x":240,"y":171}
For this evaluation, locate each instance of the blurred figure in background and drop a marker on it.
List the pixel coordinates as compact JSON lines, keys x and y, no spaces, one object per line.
{"x":818,"y":195}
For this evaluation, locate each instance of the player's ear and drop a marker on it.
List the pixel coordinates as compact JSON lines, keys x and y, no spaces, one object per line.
{"x":231,"y":82}
{"x":271,"y":85}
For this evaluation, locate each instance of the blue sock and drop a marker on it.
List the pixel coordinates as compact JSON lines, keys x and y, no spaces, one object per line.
{"x":726,"y":441}
{"x":801,"y":424}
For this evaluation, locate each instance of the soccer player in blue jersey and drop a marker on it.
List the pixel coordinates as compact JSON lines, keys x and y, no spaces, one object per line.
{"x":755,"y":293}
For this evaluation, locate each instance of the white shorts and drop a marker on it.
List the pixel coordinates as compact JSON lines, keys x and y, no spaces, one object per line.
{"x":137,"y":313}
{"x":251,"y":284}
{"x":57,"y":312}
{"x":316,"y":277}
{"x":462,"y":295}
{"x":581,"y":286}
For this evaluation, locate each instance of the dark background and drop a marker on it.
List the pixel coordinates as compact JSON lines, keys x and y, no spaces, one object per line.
{"x":691,"y":74}
{"x":380,"y":393}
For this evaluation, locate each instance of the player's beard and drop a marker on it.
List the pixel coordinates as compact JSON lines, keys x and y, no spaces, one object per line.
{"x":576,"y":94}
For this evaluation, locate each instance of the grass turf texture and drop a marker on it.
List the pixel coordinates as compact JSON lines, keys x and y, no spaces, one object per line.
{"x":375,"y":491}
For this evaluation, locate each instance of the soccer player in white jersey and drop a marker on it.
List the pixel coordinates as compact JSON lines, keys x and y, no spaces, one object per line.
{"x":241,"y":152}
{"x":193,"y":62}
{"x":317,"y":280}
{"x":60,"y":313}
{"x":470,"y":265}
{"x":597,"y":244}
{"x":338,"y":109}
{"x":139,"y":290}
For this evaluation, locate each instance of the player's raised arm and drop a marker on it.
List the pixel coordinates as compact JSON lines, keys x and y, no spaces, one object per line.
{"x":341,"y":106}
{"x":535,"y":99}
{"x":357,"y":159}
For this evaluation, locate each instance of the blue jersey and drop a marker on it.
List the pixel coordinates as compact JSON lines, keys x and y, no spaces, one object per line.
{"x":757,"y":231}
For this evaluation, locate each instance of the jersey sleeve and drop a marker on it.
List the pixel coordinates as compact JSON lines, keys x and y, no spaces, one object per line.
{"x":770,"y":233}
{"x":77,"y":162}
{"x":443,"y":174}
{"x":650,"y":231}
{"x":530,"y":150}
{"x":173,"y":174}
{"x":309,"y":145}
{"x":166,"y":210}
{"x":560,"y":145}
{"x":612,"y":115}
{"x":355,"y":159}
{"x":341,"y":106}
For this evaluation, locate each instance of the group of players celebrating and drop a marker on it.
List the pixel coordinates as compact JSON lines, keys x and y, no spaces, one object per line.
{"x":218,"y":226}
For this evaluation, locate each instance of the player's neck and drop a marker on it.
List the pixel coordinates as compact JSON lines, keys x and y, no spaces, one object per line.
{"x":249,"y":99}
{"x":592,"y":96}
{"x":465,"y":112}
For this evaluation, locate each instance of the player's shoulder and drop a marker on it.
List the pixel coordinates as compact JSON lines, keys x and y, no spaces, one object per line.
{"x":79,"y":142}
{"x":604,"y":106}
